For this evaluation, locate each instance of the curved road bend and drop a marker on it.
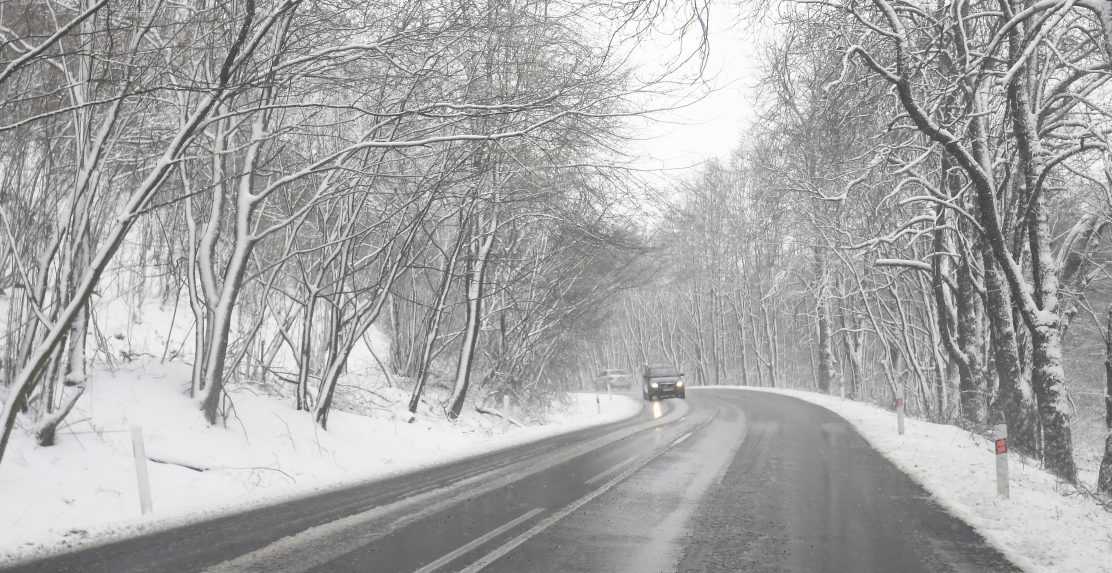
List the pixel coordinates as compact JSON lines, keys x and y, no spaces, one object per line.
{"x":728,"y":481}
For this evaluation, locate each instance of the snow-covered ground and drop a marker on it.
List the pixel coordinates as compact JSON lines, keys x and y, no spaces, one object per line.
{"x":1045,"y":526}
{"x":83,"y":490}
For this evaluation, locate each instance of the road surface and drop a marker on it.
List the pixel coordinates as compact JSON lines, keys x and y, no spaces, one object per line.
{"x":727,"y":481}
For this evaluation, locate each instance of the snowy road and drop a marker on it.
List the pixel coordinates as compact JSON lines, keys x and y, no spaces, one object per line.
{"x":728,"y":481}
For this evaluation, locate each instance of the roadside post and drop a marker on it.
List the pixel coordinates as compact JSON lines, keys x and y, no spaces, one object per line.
{"x":1000,"y":439}
{"x":144,"y":480}
{"x":900,"y":412}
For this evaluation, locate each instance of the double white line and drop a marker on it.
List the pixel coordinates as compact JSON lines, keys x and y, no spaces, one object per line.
{"x":464,"y":550}
{"x":320,"y":544}
{"x":504,"y":549}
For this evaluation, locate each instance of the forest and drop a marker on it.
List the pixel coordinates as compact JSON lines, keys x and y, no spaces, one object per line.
{"x":288,"y":175}
{"x":921,"y":211}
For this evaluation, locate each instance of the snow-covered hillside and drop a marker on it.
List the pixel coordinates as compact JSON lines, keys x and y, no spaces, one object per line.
{"x":84,"y":488}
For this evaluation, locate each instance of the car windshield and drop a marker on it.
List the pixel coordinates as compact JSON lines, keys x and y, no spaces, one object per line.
{"x":662,"y":372}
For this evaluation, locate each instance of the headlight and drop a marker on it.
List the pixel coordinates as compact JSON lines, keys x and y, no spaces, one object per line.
{"x":652,"y":384}
{"x":679,"y":384}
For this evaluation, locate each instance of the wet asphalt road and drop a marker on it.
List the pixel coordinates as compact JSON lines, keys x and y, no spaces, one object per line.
{"x":728,"y":481}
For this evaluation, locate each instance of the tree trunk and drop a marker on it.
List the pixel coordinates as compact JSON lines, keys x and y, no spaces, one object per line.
{"x":432,"y":326}
{"x":742,"y":344}
{"x":822,"y":316}
{"x":1108,"y":371}
{"x":715,"y":336}
{"x":473,"y":318}
{"x":770,"y":337}
{"x":397,"y":358}
{"x":971,"y":338}
{"x":852,"y":341}
{"x":46,"y":428}
{"x":1049,"y":382}
{"x":1014,"y":399}
{"x":328,"y":383}
{"x":305,"y":353}
{"x":1044,"y":320}
{"x":1104,"y":478}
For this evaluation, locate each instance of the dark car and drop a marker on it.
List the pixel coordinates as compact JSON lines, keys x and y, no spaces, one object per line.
{"x":662,"y":381}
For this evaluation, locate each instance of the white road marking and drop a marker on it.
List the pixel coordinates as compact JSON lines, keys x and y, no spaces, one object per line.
{"x":681,"y":439}
{"x":591,"y":480}
{"x":316,"y":546}
{"x":553,"y":519}
{"x":465,"y":549}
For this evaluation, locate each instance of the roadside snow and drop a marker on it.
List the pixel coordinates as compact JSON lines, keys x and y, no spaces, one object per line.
{"x":1046,"y":525}
{"x":83,"y":490}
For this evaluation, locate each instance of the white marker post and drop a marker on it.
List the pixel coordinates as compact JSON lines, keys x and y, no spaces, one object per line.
{"x":140,"y":453}
{"x":1000,"y":437}
{"x":900,"y":413}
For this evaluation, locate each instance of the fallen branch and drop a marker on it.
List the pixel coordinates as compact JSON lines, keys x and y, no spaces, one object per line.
{"x":492,"y":412}
{"x":188,"y":466}
{"x":200,"y":468}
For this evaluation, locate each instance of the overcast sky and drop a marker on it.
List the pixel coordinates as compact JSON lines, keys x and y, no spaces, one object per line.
{"x":722,"y":105}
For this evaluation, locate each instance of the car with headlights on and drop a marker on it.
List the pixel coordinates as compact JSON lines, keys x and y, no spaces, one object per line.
{"x":659,"y":381}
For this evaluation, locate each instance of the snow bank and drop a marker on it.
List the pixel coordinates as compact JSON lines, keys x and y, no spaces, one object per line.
{"x":1046,"y":525}
{"x":83,"y":490}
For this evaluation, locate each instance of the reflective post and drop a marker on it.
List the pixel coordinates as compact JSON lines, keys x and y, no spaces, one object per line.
{"x":141,"y":476}
{"x":900,"y":412}
{"x":1000,"y":439}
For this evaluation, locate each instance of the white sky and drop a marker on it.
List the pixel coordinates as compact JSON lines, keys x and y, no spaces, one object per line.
{"x":720,"y":107}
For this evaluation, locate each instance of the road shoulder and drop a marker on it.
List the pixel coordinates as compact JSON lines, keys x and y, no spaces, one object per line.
{"x":1045,"y":525}
{"x":180,"y":504}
